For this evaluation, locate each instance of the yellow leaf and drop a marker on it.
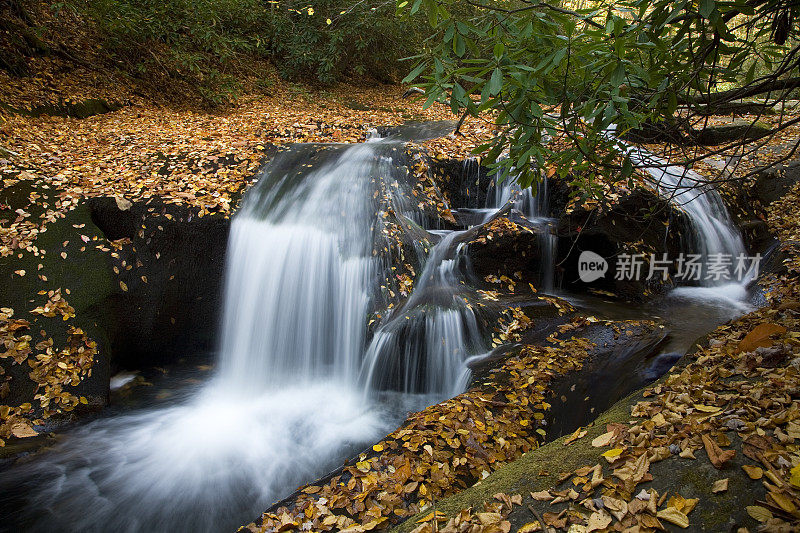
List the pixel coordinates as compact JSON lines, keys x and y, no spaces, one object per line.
{"x":613,"y":452}
{"x":783,"y":501}
{"x":428,"y":517}
{"x":123,"y":286}
{"x":378,"y":448}
{"x":672,"y":515}
{"x":579,"y":433}
{"x":761,"y":514}
{"x":795,"y":476}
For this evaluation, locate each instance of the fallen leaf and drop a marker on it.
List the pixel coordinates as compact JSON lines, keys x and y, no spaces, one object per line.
{"x":603,"y":440}
{"x":753,"y":472}
{"x":759,"y":337}
{"x":716,"y":455}
{"x":720,"y":485}
{"x":122,"y":203}
{"x":598,"y":520}
{"x":579,"y":433}
{"x":542,"y":496}
{"x":761,"y":514}
{"x":22,"y":430}
{"x":674,"y":516}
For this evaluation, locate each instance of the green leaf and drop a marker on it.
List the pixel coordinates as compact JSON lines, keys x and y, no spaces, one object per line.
{"x":706,"y":7}
{"x":458,"y":45}
{"x":414,"y":73}
{"x":496,"y":82}
{"x":627,"y":167}
{"x":498,"y":50}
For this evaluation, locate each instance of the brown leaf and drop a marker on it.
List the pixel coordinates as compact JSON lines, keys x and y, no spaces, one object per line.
{"x":716,"y":455}
{"x":22,"y":430}
{"x":720,"y":485}
{"x":671,"y":514}
{"x":759,"y":336}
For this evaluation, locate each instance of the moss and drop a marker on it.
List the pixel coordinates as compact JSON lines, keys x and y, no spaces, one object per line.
{"x":522,"y":475}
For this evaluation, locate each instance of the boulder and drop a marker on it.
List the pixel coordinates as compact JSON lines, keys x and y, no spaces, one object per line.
{"x":640,"y":222}
{"x":171,"y":266}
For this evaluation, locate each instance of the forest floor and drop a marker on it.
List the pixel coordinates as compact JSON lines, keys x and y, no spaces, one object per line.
{"x":729,"y":412}
{"x":712,"y":446}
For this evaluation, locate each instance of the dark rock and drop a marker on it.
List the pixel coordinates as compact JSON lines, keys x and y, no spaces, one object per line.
{"x":683,"y":134}
{"x":738,"y":130}
{"x":173,"y":270}
{"x":774,"y":183}
{"x":641,"y":222}
{"x":511,"y":245}
{"x":464,"y":183}
{"x":83,"y":109}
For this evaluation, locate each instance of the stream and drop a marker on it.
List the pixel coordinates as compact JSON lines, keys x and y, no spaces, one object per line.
{"x":301,"y":382}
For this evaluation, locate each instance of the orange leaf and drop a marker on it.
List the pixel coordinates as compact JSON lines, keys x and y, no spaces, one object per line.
{"x":716,"y":455}
{"x":759,"y":337}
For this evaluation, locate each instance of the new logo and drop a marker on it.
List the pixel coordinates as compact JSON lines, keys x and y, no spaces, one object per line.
{"x":591,"y":266}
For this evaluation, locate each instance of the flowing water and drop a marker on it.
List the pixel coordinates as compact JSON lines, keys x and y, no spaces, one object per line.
{"x":715,"y":235}
{"x":285,"y":404}
{"x":300,"y":383}
{"x":423,"y":348}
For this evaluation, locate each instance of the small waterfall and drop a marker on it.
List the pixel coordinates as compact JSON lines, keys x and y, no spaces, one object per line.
{"x":304,"y":264}
{"x":523,"y":200}
{"x":422,"y":349}
{"x":299,"y":275}
{"x":536,"y":208}
{"x":714,"y":231}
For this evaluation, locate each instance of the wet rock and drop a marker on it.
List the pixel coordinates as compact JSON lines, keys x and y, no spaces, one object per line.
{"x":639,"y":223}
{"x":172,"y":269}
{"x":513,"y":246}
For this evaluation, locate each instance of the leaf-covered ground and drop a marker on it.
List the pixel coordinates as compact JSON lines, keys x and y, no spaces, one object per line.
{"x":712,"y":446}
{"x":49,"y":165}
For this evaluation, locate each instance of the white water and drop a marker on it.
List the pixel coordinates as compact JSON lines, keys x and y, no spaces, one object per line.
{"x":714,"y":231}
{"x":424,"y":347}
{"x":285,"y":405}
{"x":202,"y":465}
{"x":536,"y":208}
{"x":299,"y":278}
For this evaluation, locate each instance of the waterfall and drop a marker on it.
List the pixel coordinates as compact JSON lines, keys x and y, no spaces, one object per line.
{"x":713,"y":228}
{"x":303,"y":269}
{"x":715,"y":234}
{"x":536,"y":208}
{"x":523,"y":200}
{"x":424,"y":346}
{"x":300,"y":273}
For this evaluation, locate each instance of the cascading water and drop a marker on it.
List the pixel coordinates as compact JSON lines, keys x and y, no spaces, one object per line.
{"x":299,"y":276}
{"x":307,"y":256}
{"x":715,"y":234}
{"x":285,"y":406}
{"x":423,"y":347}
{"x":536,"y":208}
